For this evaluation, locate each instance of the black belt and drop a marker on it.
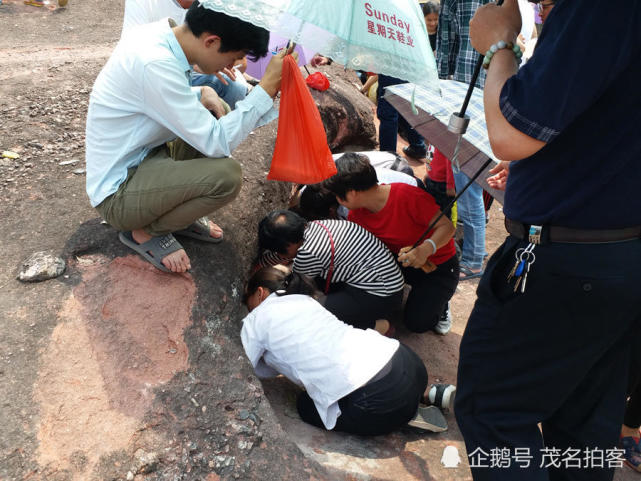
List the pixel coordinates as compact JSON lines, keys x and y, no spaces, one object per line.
{"x":578,"y":236}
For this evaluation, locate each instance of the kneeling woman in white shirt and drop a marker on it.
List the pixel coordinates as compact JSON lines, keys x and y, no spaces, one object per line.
{"x":356,"y":380}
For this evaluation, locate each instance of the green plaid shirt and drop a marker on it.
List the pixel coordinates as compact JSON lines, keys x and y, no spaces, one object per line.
{"x":454,"y":53}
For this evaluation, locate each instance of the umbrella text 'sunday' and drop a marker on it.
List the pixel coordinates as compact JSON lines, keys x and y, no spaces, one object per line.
{"x":382,"y":36}
{"x":384,"y":17}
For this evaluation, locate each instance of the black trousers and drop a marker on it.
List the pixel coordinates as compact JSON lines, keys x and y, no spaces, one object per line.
{"x":632,"y":418}
{"x":438,"y":190}
{"x":359,"y":308}
{"x":429,"y":295}
{"x":556,"y":355}
{"x":380,"y":406}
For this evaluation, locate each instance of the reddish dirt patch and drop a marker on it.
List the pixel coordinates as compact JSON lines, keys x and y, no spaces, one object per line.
{"x":120,"y":336}
{"x":135,"y":318}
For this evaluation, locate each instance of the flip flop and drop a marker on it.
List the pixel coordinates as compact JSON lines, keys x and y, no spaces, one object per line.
{"x":200,"y":230}
{"x":429,"y":418}
{"x":154,"y":250}
{"x":467,"y":273}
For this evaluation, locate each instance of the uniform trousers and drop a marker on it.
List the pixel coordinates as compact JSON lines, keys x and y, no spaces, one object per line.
{"x":556,"y":354}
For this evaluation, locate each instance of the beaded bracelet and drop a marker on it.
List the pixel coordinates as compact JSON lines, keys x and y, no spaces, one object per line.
{"x":501,"y":44}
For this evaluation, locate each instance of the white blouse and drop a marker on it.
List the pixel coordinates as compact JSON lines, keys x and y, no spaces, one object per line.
{"x":295,"y":336}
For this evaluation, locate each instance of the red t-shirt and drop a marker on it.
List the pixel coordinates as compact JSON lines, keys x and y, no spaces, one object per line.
{"x":440,"y":169}
{"x":403,"y":219}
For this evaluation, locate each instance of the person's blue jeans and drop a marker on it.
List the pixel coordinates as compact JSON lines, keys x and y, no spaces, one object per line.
{"x":471,"y":212}
{"x":231,"y":93}
{"x":390,"y":120}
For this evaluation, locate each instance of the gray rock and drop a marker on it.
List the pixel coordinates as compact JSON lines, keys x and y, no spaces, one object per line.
{"x":145,"y":462}
{"x":41,"y":266}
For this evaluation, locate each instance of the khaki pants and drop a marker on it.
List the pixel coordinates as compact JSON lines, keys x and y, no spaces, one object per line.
{"x":171,"y":188}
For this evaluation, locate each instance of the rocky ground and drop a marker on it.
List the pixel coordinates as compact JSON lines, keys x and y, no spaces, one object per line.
{"x":89,"y":389}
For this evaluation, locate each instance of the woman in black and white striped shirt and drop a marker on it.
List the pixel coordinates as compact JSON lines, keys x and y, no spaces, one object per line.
{"x":359,"y":274}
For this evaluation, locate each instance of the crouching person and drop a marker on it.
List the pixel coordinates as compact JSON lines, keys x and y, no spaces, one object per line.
{"x":355,"y":380}
{"x":361,"y":279}
{"x":399,"y":214}
{"x":142,"y":99}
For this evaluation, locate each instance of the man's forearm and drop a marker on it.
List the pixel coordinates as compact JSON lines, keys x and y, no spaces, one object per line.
{"x":507,"y":142}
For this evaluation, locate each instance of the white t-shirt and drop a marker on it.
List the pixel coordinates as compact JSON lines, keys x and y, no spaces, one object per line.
{"x":389,"y":176}
{"x":385,"y":174}
{"x":527,"y":19}
{"x":377,"y":158}
{"x":295,"y":336}
{"x":140,"y":12}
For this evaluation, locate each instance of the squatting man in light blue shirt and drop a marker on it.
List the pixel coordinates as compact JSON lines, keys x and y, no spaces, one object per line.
{"x":157,"y":160}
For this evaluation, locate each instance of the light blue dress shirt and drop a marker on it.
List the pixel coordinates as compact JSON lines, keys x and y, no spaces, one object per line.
{"x":142,"y":99}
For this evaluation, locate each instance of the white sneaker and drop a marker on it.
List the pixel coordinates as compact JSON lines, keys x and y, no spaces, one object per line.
{"x":429,"y":418}
{"x":442,"y":396}
{"x":444,"y":323}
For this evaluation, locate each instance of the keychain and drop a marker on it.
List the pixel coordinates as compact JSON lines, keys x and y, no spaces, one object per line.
{"x":525,"y":257}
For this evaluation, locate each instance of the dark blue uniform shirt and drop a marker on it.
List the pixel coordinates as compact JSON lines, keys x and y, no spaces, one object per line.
{"x":580,"y":93}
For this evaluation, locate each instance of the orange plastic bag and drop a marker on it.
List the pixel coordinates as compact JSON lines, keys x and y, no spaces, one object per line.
{"x":301,"y":153}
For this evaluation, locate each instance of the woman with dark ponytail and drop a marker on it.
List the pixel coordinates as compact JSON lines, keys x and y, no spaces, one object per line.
{"x":355,"y":380}
{"x":277,"y":281}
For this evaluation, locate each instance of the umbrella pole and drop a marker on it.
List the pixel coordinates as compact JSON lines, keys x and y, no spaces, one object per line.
{"x":291,"y":45}
{"x":458,"y":124}
{"x":475,"y":76}
{"x":448,"y":206}
{"x":459,"y":121}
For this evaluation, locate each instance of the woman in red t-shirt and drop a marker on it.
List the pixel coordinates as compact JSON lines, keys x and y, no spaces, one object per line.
{"x":439,"y":181}
{"x":398,"y":215}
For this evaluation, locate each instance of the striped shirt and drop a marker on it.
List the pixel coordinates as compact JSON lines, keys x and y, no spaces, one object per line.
{"x":360,"y":259}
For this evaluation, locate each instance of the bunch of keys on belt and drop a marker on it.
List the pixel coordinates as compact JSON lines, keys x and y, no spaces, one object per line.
{"x":525,"y":257}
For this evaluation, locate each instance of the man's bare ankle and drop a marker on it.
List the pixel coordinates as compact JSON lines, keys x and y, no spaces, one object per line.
{"x":140,"y":236}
